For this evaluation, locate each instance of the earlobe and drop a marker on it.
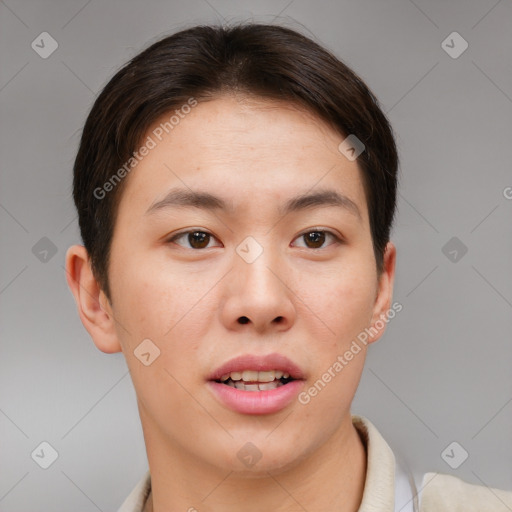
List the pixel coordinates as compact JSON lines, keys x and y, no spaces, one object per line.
{"x":93,"y":308}
{"x":384,"y":295}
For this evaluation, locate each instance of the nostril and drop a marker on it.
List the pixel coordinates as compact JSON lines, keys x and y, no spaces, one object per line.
{"x":243,"y":320}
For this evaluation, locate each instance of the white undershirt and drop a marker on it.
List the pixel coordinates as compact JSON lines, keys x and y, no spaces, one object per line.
{"x":405,"y":490}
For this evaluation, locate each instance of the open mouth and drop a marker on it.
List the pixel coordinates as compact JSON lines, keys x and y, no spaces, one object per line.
{"x":252,"y":380}
{"x":251,"y":384}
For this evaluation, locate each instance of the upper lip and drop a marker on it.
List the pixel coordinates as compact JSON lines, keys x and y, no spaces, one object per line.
{"x":258,"y":363}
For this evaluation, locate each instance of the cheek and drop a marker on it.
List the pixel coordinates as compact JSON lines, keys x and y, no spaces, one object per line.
{"x":352,"y":306}
{"x":156,"y":303}
{"x":160,"y":307}
{"x":151,"y":298}
{"x":340,"y":299}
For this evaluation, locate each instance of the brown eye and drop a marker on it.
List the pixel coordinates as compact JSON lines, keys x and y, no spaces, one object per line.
{"x":195,"y":239}
{"x":316,"y":239}
{"x":198,"y":239}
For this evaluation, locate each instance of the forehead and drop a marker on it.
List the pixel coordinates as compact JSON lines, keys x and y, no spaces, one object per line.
{"x":244,"y":148}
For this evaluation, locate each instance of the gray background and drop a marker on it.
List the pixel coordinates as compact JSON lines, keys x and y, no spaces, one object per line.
{"x":441,"y":373}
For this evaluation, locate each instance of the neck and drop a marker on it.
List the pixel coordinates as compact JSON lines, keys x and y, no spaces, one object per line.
{"x":330,"y":479}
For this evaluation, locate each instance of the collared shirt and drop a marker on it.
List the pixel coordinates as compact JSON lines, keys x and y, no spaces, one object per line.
{"x":388,"y":487}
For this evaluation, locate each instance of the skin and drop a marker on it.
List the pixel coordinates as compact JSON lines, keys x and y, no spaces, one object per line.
{"x":255,"y":154}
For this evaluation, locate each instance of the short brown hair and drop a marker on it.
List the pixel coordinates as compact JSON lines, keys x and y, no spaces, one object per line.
{"x":202,"y":62}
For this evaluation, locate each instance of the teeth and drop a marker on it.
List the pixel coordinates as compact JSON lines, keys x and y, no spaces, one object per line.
{"x":249,"y":376}
{"x":255,"y":376}
{"x":264,"y":386}
{"x":266,"y":376}
{"x":269,"y":385}
{"x":253,"y":380}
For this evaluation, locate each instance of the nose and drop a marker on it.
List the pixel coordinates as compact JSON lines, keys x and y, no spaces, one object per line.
{"x":258,"y":296}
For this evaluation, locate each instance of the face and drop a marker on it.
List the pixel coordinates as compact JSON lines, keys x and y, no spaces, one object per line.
{"x":247,"y":268}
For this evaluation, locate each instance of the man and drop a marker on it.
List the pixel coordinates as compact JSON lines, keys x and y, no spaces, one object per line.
{"x":236,"y":189}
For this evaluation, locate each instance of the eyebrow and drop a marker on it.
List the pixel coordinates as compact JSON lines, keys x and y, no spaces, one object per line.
{"x":179,"y":197}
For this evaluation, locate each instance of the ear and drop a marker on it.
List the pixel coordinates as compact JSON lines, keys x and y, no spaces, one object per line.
{"x":93,"y":306}
{"x":384,"y":295}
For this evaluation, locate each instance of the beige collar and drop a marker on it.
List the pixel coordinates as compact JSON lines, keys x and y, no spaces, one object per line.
{"x":379,"y":486}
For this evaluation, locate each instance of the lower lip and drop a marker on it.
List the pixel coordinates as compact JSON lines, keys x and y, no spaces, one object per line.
{"x":256,"y":402}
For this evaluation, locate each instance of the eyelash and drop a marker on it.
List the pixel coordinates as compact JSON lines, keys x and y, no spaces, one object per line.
{"x":337,"y":239}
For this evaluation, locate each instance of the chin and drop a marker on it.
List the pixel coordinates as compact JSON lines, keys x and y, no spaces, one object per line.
{"x":258,"y":458}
